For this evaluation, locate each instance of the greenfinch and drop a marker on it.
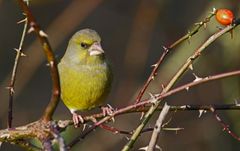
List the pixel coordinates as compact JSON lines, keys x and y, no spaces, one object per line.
{"x":85,"y":74}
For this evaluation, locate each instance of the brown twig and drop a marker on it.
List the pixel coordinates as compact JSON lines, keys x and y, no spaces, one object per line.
{"x":14,"y":72}
{"x":140,"y":109}
{"x":47,"y":115}
{"x":114,"y":130}
{"x":170,"y":49}
{"x":224,"y":125}
{"x":188,"y":107}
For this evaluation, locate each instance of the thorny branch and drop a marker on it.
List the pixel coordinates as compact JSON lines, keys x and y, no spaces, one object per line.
{"x":14,"y":72}
{"x":180,"y":72}
{"x":169,"y":49}
{"x":51,"y":61}
{"x":224,"y":125}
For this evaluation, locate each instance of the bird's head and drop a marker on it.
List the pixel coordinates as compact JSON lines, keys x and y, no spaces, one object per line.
{"x":85,"y":47}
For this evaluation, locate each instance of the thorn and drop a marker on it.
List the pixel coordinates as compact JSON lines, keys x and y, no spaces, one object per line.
{"x":43,"y":34}
{"x":187,"y":88}
{"x":154,"y":65}
{"x":146,"y":147}
{"x":21,"y":21}
{"x":204,"y":25}
{"x":11,"y":89}
{"x":218,"y":118}
{"x":84,"y":127}
{"x":198,"y":53}
{"x":165,"y":48}
{"x":162,"y":85}
{"x":31,"y":29}
{"x":17,"y":50}
{"x":183,"y":107}
{"x":23,"y":54}
{"x":143,"y":148}
{"x":201,"y":112}
{"x":116,"y":132}
{"x":189,"y":35}
{"x":191,"y":57}
{"x":191,"y":66}
{"x":158,"y":147}
{"x":153,"y":98}
{"x":173,"y":129}
{"x":113,"y":119}
{"x":196,"y":78}
{"x":198,"y":23}
{"x":236,"y":103}
{"x":51,"y":63}
{"x":152,"y":77}
{"x":214,"y":10}
{"x":226,"y":128}
{"x":142,"y":115}
{"x":127,"y":138}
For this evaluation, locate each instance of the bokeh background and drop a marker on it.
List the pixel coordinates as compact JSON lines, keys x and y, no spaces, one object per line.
{"x":133,"y":33}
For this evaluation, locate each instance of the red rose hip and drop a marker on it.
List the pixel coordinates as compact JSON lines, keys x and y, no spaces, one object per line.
{"x":224,"y":16}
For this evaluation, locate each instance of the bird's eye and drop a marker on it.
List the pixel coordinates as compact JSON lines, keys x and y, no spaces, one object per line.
{"x":84,"y":45}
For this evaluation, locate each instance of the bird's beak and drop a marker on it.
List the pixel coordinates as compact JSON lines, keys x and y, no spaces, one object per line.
{"x":95,"y":49}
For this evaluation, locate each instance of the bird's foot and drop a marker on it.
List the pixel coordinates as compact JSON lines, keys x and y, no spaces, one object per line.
{"x":107,"y":110}
{"x":77,"y":119}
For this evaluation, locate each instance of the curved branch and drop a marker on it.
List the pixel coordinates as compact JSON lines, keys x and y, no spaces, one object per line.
{"x":47,"y":115}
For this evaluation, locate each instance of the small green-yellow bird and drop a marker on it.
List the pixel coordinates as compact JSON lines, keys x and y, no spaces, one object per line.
{"x":85,"y":75}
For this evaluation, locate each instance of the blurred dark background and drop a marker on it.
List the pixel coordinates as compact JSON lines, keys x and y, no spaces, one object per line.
{"x":133,"y":33}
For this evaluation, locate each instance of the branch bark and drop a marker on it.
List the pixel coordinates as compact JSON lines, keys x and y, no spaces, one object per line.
{"x":158,"y":127}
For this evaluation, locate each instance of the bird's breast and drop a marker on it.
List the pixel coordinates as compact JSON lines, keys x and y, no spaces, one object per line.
{"x":84,"y":86}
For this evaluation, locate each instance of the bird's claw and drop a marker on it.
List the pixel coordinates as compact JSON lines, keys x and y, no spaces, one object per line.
{"x":107,"y":110}
{"x":77,"y":119}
